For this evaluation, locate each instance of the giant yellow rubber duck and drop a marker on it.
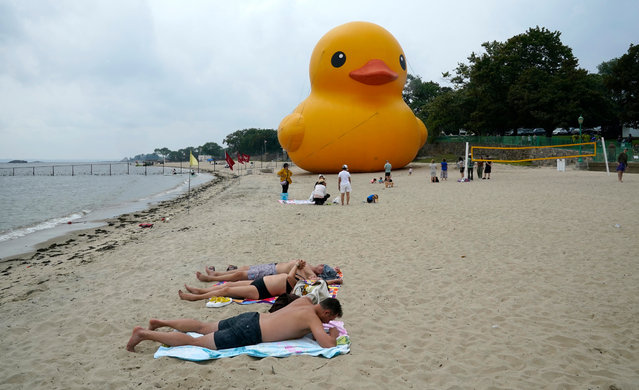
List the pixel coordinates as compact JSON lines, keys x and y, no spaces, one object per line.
{"x":355,"y":113}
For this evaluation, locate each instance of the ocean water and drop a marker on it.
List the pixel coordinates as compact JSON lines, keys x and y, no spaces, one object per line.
{"x":35,"y":208}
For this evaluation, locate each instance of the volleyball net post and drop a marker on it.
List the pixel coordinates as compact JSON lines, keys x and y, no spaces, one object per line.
{"x":603,"y":147}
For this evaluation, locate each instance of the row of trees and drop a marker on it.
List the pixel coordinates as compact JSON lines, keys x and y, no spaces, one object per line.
{"x":531,"y":80}
{"x":253,"y":142}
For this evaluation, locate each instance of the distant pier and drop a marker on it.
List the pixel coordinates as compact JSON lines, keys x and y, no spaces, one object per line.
{"x":93,"y":169}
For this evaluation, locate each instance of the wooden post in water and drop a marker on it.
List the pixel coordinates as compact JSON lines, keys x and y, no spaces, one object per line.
{"x":52,"y":170}
{"x":72,"y":172}
{"x":109,"y":169}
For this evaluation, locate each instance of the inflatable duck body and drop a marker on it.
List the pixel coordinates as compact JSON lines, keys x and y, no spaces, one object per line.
{"x":355,"y":113}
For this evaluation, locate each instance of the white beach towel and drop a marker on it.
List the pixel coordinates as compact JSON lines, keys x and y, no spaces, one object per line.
{"x":296,"y":201}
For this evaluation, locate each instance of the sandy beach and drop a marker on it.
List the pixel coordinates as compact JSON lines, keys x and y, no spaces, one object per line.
{"x":528,"y":280}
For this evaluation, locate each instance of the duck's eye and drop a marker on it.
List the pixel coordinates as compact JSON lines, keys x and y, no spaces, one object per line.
{"x":402,"y":61}
{"x":338,"y":59}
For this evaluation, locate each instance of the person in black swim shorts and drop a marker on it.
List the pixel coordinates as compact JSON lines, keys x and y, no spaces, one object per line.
{"x":266,"y":287}
{"x":295,"y":320}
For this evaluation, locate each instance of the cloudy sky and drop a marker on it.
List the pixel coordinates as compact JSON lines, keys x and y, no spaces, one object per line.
{"x":104,"y":80}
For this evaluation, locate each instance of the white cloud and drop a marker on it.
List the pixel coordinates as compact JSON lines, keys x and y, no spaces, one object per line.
{"x":109,"y":79}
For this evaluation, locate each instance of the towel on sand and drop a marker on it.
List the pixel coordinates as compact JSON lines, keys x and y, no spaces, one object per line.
{"x":296,"y":201}
{"x":302,"y":346}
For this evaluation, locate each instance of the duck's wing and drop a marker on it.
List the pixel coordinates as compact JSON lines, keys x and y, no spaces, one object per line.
{"x":290,"y":133}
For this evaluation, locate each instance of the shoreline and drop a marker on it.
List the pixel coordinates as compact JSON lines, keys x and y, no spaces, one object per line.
{"x":101,"y":217}
{"x":96,"y":232}
{"x":527,"y":280}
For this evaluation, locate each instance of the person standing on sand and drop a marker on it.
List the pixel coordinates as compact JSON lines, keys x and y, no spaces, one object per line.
{"x":344,"y":184}
{"x":480,"y":168}
{"x":293,"y":321}
{"x":433,"y":171}
{"x":444,"y":171}
{"x":387,"y":169}
{"x":488,"y":169}
{"x":285,"y":177}
{"x":622,"y":164}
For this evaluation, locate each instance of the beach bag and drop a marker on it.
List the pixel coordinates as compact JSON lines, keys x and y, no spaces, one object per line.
{"x":282,"y":301}
{"x":317,"y":290}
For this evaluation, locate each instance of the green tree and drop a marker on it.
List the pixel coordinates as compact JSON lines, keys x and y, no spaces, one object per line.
{"x":531,"y":80}
{"x":448,"y":113}
{"x":212,"y":149}
{"x":162,"y":152}
{"x":253,"y":141}
{"x":621,"y":78}
{"x":417,"y":94}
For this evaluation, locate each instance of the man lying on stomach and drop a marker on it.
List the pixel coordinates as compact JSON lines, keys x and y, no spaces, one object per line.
{"x":297,"y":319}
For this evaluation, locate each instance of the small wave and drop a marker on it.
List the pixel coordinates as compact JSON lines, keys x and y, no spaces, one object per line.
{"x":50,"y":224}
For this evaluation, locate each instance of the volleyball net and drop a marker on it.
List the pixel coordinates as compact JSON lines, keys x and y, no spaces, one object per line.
{"x":515,"y":154}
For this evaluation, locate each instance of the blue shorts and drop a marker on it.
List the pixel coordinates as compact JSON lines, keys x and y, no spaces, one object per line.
{"x":238,"y":331}
{"x":621,"y":167}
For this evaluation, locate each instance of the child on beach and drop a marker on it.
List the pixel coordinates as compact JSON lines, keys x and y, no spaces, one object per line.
{"x":433,"y":171}
{"x":444,"y":171}
{"x":372,"y":198}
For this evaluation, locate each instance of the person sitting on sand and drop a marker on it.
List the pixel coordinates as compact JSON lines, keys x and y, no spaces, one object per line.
{"x":372,"y":198}
{"x":320,"y":271}
{"x":262,"y":288}
{"x":295,"y":320}
{"x":319,"y":193}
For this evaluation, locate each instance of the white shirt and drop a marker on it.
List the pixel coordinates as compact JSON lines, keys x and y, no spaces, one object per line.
{"x":344,"y":175}
{"x":319,"y":191}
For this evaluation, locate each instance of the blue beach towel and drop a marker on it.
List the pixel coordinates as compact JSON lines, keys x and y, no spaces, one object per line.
{"x":302,"y":346}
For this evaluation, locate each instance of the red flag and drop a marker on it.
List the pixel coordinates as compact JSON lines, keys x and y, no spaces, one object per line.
{"x":239,"y":158}
{"x":246,"y":157}
{"x":229,"y":160}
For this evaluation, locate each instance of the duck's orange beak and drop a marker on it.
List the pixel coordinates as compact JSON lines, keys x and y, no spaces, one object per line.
{"x":375,"y":72}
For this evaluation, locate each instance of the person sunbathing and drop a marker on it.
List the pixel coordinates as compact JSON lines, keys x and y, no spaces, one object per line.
{"x":295,"y":320}
{"x":253,"y":272}
{"x":261,"y":288}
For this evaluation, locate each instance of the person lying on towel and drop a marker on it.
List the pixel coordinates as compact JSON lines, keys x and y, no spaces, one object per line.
{"x":297,"y":319}
{"x":262,"y":288}
{"x":253,"y":272}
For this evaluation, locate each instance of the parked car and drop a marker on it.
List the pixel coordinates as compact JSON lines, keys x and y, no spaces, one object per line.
{"x":524,"y":131}
{"x":574,"y":130}
{"x":560,"y":131}
{"x":509,"y":132}
{"x":539,"y":131}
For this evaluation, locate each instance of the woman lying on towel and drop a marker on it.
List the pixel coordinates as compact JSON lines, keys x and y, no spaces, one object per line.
{"x":253,"y":272}
{"x":262,"y":288}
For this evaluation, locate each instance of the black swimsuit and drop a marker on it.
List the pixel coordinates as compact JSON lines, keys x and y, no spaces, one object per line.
{"x":263,"y":292}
